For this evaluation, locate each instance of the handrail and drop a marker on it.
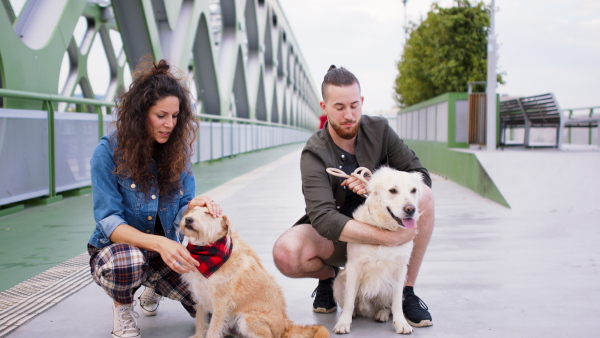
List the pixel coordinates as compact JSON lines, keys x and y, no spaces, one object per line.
{"x":591,"y":109}
{"x":243,"y":120}
{"x":19,"y":94}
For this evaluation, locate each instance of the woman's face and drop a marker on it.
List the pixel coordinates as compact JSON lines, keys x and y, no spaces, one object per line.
{"x":162,"y":118}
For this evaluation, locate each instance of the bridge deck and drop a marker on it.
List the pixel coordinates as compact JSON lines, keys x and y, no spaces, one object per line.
{"x":490,"y":271}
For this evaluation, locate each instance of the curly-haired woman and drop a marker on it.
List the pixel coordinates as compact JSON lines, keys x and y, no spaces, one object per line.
{"x":141,"y":185}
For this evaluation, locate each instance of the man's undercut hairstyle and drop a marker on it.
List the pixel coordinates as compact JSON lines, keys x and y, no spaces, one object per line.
{"x":340,"y":77}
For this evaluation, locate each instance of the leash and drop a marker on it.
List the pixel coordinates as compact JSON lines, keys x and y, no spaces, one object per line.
{"x":361,"y":173}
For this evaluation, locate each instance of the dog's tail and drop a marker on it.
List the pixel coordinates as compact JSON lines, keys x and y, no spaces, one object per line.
{"x":305,"y":331}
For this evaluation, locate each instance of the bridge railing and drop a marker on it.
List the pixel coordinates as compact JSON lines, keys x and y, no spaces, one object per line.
{"x":45,"y":154}
{"x":582,"y":135}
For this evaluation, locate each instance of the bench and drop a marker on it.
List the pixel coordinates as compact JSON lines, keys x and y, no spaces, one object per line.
{"x":538,"y":111}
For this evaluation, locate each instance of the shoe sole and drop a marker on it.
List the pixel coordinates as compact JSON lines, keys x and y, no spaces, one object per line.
{"x":422,"y":323}
{"x":149,"y":313}
{"x":324,"y":310}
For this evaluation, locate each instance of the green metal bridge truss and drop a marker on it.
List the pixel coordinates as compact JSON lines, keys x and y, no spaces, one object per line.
{"x":241,"y":56}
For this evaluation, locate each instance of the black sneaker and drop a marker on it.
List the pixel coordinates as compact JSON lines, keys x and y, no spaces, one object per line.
{"x":415,"y":309}
{"x":323,"y":295}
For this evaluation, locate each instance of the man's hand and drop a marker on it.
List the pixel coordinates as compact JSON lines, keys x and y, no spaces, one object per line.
{"x":401,"y":236}
{"x":358,"y":232}
{"x":355,"y":185}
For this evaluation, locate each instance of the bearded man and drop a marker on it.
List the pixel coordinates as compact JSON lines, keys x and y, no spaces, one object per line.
{"x":315,"y":247}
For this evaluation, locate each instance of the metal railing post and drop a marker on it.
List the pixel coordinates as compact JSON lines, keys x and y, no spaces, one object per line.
{"x":51,"y":150}
{"x":590,"y":141}
{"x":98,"y":111}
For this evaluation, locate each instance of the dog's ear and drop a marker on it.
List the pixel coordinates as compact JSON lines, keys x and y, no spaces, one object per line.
{"x":225,"y":222}
{"x":418,"y":182}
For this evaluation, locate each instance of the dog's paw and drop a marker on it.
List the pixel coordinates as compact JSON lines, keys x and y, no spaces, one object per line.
{"x":342,"y":327}
{"x":402,"y":326}
{"x":382,"y":316}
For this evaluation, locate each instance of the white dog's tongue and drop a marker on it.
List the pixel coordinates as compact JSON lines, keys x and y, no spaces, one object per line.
{"x":408,"y":222}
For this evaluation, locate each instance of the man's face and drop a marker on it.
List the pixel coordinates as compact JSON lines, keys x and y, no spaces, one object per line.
{"x":343,"y":107}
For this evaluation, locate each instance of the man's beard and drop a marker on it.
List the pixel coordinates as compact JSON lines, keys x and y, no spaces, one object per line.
{"x":343,"y":133}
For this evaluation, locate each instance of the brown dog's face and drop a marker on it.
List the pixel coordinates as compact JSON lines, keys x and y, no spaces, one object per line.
{"x":201,"y":228}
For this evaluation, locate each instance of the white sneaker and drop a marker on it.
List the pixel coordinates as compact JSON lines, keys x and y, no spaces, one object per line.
{"x":124,"y":323}
{"x":149,"y":300}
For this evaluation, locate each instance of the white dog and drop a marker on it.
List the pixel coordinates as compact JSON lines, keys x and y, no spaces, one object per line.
{"x":371,"y":284}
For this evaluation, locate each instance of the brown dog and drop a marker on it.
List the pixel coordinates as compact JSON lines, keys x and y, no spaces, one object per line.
{"x":241,"y":296}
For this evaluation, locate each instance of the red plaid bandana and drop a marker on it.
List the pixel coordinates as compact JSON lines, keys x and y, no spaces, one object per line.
{"x":212,"y":256}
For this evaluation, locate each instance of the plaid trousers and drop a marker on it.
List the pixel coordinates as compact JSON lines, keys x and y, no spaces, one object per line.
{"x":120,"y":269}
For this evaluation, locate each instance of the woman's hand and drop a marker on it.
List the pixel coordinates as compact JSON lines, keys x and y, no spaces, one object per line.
{"x":176,"y":256}
{"x":205,"y":201}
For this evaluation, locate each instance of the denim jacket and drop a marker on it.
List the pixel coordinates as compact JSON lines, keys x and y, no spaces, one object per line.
{"x":119,"y":201}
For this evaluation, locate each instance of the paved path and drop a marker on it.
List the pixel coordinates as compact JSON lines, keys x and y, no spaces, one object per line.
{"x":490,"y":271}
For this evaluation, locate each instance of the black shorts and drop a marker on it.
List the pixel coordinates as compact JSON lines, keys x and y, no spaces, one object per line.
{"x":339,"y":256}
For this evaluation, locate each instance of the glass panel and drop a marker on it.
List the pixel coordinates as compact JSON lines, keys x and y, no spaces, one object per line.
{"x":442,"y":122}
{"x":23,"y":155}
{"x":431,"y":123}
{"x":75,"y":137}
{"x":462,"y":121}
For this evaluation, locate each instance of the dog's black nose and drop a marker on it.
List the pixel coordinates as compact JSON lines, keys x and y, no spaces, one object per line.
{"x":189,"y":220}
{"x":409,"y":209}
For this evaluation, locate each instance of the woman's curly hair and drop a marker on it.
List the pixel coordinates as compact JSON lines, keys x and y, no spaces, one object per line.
{"x":136,"y":147}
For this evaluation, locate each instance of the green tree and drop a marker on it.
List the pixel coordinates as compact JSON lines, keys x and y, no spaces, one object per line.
{"x":444,"y":53}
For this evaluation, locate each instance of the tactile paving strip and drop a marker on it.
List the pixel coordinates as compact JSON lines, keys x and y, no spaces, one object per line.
{"x":28,"y":299}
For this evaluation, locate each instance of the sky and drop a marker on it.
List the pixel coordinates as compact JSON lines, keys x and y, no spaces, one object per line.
{"x":543,"y":45}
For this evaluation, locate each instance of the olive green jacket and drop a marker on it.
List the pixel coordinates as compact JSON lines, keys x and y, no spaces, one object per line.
{"x":377,"y":144}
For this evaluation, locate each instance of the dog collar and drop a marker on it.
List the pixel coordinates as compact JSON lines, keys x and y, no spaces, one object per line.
{"x":212,"y":256}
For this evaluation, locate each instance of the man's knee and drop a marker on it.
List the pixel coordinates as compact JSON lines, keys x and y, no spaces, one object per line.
{"x":427,"y":206}
{"x":427,"y":201}
{"x":286,"y":256}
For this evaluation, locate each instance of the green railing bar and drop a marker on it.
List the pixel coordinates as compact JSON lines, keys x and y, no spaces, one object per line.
{"x":51,"y":152}
{"x":18,"y":94}
{"x":248,"y":121}
{"x":98,"y":112}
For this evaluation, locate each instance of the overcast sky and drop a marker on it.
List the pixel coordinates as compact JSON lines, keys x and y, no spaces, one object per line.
{"x":544,"y":46}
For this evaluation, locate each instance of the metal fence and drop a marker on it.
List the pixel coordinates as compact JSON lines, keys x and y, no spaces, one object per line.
{"x":44,"y":153}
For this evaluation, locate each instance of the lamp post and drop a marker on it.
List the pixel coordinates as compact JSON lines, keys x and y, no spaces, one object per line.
{"x":491,"y":83}
{"x":405,"y":25}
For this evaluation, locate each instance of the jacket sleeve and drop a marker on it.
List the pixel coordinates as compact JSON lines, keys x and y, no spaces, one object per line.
{"x":319,"y":199}
{"x":401,"y":157}
{"x":108,"y":201}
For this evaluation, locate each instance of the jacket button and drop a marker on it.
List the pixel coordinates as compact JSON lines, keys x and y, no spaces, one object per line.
{"x":149,"y":218}
{"x":338,"y":207}
{"x":340,"y":167}
{"x":148,"y":231}
{"x":343,"y":156}
{"x":153,"y":197}
{"x":132,"y":185}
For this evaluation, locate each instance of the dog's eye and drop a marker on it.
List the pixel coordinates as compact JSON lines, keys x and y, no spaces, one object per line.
{"x":393,"y":191}
{"x":413,"y":191}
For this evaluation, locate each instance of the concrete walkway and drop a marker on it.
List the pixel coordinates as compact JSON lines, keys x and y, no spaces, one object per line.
{"x":490,"y":271}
